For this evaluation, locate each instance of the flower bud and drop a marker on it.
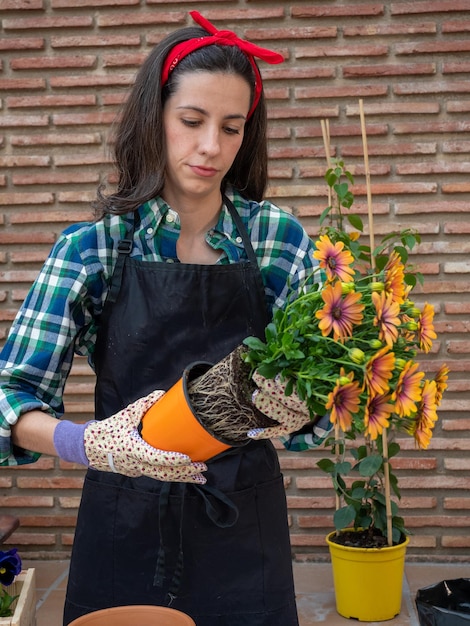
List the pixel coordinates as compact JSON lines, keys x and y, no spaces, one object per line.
{"x":376,"y":286}
{"x":400,"y":364}
{"x":356,"y":355}
{"x":347,"y":288}
{"x":375,"y":344}
{"x":413,"y":311}
{"x":411,"y":325}
{"x":343,"y":380}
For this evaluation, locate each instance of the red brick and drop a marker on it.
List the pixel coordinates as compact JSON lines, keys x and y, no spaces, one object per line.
{"x":47,"y":22}
{"x":350,"y":10}
{"x":438,"y":6}
{"x":434,"y":47}
{"x":456,"y":26}
{"x":63,"y":62}
{"x":374,"y":30}
{"x":21,"y":5}
{"x":95,"y":41}
{"x":23,"y":43}
{"x":366,"y":50}
{"x":404,"y":69}
{"x":56,"y":140}
{"x":51,"y":101}
{"x":10,"y":84}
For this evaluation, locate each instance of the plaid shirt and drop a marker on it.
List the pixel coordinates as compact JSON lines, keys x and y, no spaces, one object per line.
{"x":59,"y":316}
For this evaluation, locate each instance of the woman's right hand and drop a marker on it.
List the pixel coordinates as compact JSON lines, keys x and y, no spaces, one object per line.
{"x":115,"y":445}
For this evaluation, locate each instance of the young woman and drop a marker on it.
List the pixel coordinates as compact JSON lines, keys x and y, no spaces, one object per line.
{"x":184,"y":260}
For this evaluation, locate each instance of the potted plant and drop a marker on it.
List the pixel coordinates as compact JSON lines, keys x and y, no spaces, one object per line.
{"x":17,"y":591}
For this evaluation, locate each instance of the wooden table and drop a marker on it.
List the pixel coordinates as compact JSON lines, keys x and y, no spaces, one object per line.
{"x":8,"y":525}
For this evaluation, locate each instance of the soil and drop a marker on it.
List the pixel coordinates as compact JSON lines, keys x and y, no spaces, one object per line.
{"x":221,"y":400}
{"x":370,"y":538}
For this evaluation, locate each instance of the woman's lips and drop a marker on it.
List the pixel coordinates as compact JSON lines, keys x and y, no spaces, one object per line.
{"x":206,"y":172}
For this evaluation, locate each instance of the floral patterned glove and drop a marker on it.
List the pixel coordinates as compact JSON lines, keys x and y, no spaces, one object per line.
{"x":114,"y":444}
{"x":290,"y":411}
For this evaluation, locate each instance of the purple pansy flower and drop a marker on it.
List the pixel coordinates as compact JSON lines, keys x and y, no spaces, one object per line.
{"x":10,"y":566}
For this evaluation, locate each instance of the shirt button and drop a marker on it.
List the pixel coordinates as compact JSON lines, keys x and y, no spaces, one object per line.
{"x":170,"y":218}
{"x":150,"y":231}
{"x":170,"y":261}
{"x":239,"y":240}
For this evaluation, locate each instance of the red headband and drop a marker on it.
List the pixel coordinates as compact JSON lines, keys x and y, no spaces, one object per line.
{"x":224,"y":38}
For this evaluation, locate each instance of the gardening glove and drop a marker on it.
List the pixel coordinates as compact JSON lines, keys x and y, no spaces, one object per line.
{"x":115,"y":445}
{"x":290,"y":411}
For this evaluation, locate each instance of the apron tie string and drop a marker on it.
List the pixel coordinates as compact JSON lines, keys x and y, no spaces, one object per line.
{"x":220,"y":510}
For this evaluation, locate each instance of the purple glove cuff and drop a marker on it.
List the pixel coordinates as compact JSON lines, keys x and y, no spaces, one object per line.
{"x":69,"y":442}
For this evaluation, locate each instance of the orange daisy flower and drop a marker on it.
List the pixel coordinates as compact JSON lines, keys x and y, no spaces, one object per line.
{"x":426,"y":328}
{"x":441,"y":382}
{"x":387,"y":317}
{"x":343,"y":401}
{"x":379,"y":370}
{"x":377,"y":412}
{"x":339,"y":314}
{"x":408,"y":389}
{"x":395,"y":278}
{"x":334,"y":259}
{"x":426,"y":416}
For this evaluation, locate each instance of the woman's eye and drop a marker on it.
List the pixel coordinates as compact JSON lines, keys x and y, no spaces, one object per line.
{"x":232,"y":131}
{"x":190,"y":123}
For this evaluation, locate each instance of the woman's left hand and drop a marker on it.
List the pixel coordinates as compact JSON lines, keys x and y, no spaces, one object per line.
{"x":290,"y":411}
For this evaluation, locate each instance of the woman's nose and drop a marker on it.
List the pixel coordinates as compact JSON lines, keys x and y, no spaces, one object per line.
{"x":210,"y":142}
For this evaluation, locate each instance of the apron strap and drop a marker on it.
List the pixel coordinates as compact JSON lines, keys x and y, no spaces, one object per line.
{"x":234,"y":214}
{"x":124,"y":248}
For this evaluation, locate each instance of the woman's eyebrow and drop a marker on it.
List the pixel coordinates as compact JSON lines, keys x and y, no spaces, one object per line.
{"x":232,"y":116}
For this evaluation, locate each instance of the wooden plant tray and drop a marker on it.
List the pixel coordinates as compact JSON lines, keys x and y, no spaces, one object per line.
{"x":25,"y":605}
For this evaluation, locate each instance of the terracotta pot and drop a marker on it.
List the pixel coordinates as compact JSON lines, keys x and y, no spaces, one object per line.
{"x":368,"y":581}
{"x":140,"y":615}
{"x":170,"y":424}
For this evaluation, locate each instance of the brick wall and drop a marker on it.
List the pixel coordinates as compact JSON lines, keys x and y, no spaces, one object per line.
{"x":64,"y":69}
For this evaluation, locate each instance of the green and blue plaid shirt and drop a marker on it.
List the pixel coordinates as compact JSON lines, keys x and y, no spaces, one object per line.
{"x":59,"y":316}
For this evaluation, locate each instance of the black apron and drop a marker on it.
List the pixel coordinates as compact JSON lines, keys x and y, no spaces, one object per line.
{"x":220,"y":552}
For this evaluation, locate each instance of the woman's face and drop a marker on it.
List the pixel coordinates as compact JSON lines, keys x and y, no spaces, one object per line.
{"x":204,"y":122}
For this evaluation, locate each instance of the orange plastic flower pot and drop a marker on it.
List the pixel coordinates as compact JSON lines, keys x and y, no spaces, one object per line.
{"x":170,"y":424}
{"x":138,"y":614}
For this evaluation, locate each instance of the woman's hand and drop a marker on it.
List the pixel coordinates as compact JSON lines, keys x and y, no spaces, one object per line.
{"x":290,"y":411}
{"x":115,"y":445}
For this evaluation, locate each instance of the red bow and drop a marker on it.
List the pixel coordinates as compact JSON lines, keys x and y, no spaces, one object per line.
{"x":225,"y":38}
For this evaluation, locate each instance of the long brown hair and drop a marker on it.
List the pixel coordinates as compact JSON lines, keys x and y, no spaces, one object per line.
{"x":139,"y":143}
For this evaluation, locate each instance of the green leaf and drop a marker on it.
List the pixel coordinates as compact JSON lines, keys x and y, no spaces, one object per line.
{"x":356,"y":222}
{"x":327,"y":465}
{"x":344,"y":517}
{"x":370,"y":465}
{"x":268,"y":370}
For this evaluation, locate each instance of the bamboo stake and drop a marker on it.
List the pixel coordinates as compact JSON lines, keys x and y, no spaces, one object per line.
{"x":325,"y":129}
{"x":388,"y":501}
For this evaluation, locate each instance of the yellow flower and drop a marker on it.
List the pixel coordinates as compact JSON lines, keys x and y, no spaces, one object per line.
{"x":343,"y":401}
{"x":339,"y":314}
{"x":408,"y":389}
{"x":426,"y":328}
{"x":377,"y":412}
{"x":426,"y":416}
{"x":395,"y":278}
{"x":334,"y":259}
{"x":379,"y":370}
{"x":441,"y":382}
{"x":387,"y":318}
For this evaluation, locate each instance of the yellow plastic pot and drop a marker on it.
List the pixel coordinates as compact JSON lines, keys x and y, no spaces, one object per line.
{"x":368,"y":581}
{"x":139,"y":614}
{"x":170,"y":423}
